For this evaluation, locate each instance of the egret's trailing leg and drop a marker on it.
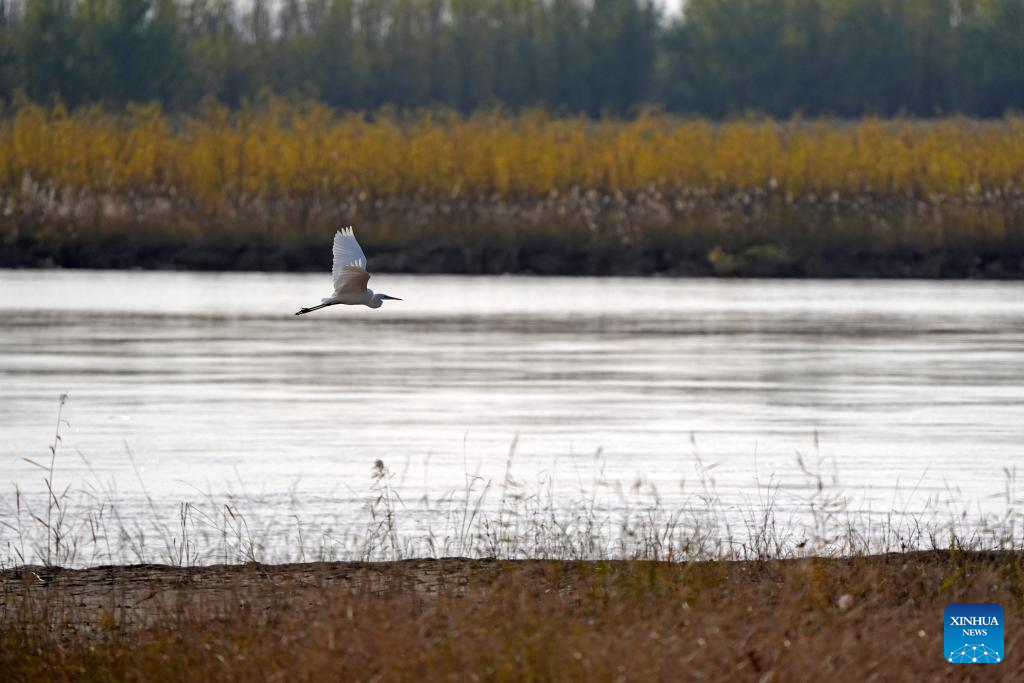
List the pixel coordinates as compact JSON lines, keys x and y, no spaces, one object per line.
{"x":312,"y":308}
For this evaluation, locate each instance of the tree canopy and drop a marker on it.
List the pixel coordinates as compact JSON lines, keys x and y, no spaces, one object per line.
{"x":718,"y":58}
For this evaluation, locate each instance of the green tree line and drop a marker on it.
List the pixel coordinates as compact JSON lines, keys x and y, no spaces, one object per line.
{"x":719,"y":57}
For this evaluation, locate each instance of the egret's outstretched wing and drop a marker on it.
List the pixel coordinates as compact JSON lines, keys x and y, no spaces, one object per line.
{"x":349,"y":269}
{"x":346,"y":252}
{"x":351,"y":279}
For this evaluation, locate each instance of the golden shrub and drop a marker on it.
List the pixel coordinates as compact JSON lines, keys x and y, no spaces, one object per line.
{"x":277,"y":149}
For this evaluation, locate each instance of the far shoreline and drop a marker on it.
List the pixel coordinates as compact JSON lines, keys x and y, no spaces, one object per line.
{"x":759,"y":262}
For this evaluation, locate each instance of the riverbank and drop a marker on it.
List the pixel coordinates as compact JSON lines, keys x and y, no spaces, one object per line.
{"x":457,"y":619}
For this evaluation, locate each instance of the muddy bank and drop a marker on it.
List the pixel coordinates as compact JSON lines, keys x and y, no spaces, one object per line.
{"x":131,"y":587}
{"x":743,"y":234}
{"x":864,"y":618}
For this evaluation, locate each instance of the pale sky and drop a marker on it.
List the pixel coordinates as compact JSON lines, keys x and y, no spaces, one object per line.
{"x":671,"y":7}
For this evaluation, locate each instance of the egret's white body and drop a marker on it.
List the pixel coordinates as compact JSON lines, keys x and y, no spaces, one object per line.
{"x":350,"y":276}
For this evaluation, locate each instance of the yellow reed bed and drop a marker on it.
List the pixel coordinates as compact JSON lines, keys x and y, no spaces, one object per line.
{"x":278,"y":149}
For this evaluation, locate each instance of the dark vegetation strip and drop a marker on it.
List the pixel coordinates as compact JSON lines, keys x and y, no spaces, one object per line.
{"x":574,"y":234}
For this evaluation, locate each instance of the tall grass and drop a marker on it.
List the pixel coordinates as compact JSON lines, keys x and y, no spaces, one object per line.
{"x":280,"y":149}
{"x":264,"y":186}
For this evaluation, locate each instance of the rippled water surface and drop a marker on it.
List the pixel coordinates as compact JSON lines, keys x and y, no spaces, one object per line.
{"x":894,"y":391}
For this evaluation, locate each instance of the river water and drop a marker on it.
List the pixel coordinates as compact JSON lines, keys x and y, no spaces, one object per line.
{"x":890,"y":397}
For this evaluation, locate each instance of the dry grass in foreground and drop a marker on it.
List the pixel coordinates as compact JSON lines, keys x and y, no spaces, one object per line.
{"x":857,"y":619}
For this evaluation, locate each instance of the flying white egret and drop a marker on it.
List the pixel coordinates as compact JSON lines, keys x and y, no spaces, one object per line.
{"x":350,"y":276}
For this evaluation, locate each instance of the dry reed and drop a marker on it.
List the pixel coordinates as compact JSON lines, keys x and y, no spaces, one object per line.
{"x":260,"y":187}
{"x":280,"y":149}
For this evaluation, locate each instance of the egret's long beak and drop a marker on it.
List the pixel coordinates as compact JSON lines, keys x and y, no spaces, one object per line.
{"x":394,"y":298}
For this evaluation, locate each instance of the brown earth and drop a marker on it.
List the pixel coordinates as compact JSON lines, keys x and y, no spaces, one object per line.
{"x":857,"y":619}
